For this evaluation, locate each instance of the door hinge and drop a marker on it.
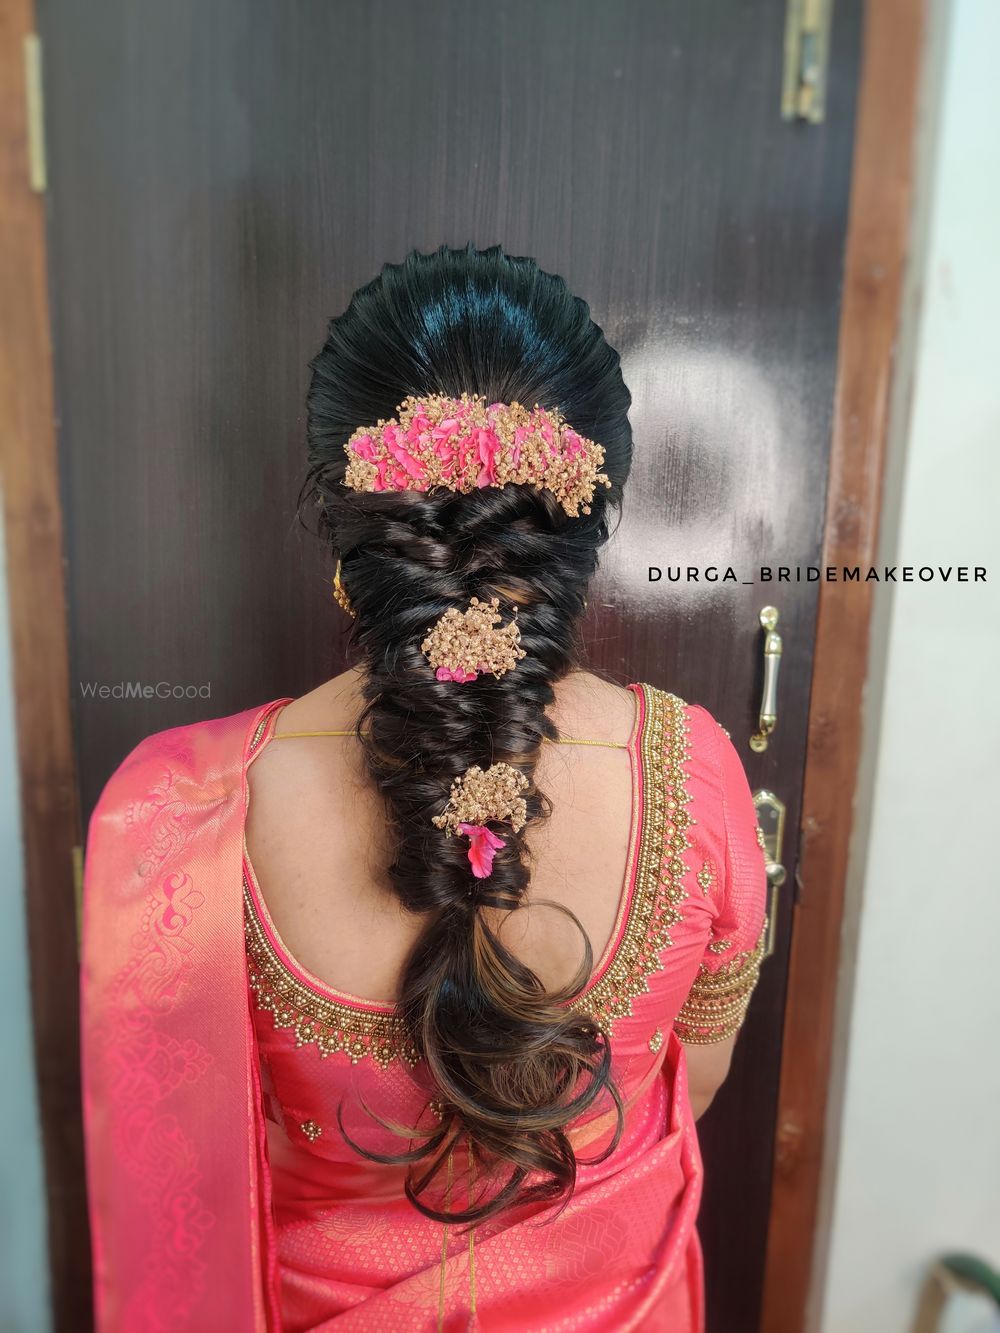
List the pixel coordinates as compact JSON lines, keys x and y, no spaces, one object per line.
{"x":807,"y":58}
{"x":77,"y":855}
{"x":35,"y":107}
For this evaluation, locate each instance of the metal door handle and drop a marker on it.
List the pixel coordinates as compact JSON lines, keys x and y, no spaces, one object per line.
{"x":772,"y":661}
{"x":771,"y":822}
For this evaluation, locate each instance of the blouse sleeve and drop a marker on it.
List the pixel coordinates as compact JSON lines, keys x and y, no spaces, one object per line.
{"x":717,"y":1002}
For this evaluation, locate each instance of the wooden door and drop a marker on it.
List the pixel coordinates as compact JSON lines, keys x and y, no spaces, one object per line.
{"x":222,"y":176}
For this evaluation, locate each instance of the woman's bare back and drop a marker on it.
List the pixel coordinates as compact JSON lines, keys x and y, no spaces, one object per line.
{"x":318,"y":841}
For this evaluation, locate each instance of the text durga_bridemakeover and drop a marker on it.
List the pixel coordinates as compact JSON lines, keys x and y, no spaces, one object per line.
{"x":816,"y":574}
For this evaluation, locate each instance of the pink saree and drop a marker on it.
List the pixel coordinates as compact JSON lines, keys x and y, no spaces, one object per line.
{"x":222,"y":1194}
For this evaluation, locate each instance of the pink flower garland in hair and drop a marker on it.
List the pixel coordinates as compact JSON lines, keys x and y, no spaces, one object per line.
{"x":479,"y":798}
{"x":464,"y":444}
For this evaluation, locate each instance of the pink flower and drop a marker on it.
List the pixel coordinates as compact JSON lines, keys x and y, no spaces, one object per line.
{"x":466,"y":452}
{"x":520,"y":435}
{"x":483,"y":846}
{"x":409,"y":465}
{"x":456,"y":674}
{"x":365,"y":448}
{"x":445,"y":429}
{"x":383,"y":475}
{"x":489,"y":447}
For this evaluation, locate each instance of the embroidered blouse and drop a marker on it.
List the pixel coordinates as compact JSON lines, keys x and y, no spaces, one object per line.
{"x":679,"y":969}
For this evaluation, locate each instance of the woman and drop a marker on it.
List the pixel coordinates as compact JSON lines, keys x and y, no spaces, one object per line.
{"x":400,"y":999}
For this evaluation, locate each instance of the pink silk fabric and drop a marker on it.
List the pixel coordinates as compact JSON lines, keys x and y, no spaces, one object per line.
{"x":222,"y":1193}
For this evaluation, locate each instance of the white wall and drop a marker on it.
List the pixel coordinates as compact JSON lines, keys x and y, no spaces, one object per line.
{"x":919,"y":1165}
{"x":24,"y":1272}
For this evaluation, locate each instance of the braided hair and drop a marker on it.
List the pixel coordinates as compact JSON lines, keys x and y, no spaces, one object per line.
{"x":511,"y":1063}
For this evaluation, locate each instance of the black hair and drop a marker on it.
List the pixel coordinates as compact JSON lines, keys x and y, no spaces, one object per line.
{"x":511,"y":1064}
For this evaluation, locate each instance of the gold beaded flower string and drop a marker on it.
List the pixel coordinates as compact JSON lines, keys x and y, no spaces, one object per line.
{"x":465,"y":644}
{"x":480,"y":797}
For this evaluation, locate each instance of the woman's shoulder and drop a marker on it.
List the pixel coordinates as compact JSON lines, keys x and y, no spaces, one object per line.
{"x":335,"y":703}
{"x":696,"y":740}
{"x":697,"y":719}
{"x":591,"y":706}
{"x":587,"y":705}
{"x":203,"y":755}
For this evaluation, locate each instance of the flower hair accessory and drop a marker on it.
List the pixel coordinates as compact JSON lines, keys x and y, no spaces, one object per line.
{"x":465,"y":644}
{"x":464,"y":444}
{"x":479,"y":798}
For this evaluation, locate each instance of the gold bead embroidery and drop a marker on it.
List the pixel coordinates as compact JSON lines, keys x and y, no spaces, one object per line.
{"x":317,"y":1019}
{"x":656,"y":1041}
{"x":362,"y":1033}
{"x":760,"y":838}
{"x":659,"y":881}
{"x":705,"y":876}
{"x":311,"y":1130}
{"x":259,"y":730}
{"x":718,"y":1000}
{"x":720,"y":946}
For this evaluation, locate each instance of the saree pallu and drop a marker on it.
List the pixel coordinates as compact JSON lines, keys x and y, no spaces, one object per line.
{"x":222,"y":1197}
{"x":175,"y":1143}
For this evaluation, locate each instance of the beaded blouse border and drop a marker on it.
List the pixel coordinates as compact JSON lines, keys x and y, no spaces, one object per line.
{"x":659,"y":889}
{"x":653,"y":909}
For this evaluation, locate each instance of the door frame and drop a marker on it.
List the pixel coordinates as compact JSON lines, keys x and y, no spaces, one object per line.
{"x":807,"y":1124}
{"x":50,"y":820}
{"x":871,"y":406}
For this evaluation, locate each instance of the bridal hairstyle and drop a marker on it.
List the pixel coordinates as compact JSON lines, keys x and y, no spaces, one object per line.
{"x":510,"y":1062}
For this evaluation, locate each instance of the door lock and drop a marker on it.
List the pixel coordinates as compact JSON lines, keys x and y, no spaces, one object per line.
{"x":771,"y":821}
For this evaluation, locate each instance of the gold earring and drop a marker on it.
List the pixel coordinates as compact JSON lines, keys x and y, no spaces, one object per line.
{"x":340,"y":594}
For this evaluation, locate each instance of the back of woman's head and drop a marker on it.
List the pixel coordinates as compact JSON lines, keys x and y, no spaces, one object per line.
{"x":511,"y":1064}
